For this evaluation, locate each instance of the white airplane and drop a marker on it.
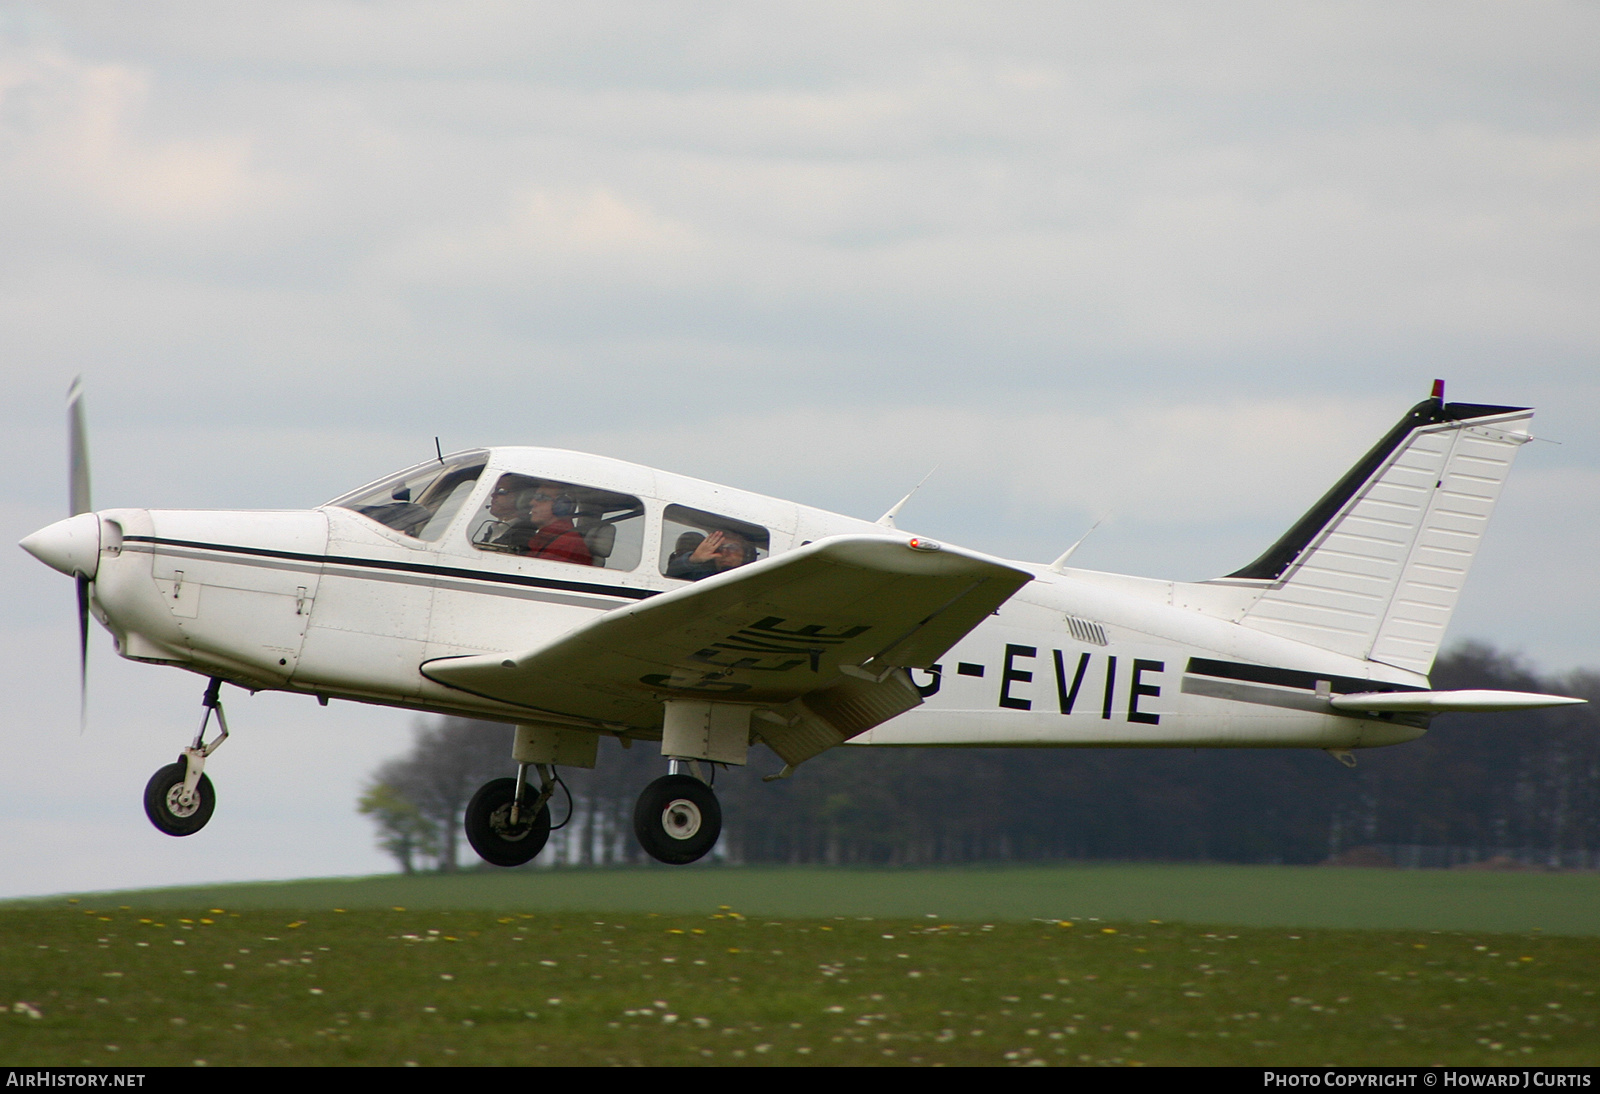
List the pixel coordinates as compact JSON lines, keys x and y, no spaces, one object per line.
{"x":576,"y":596}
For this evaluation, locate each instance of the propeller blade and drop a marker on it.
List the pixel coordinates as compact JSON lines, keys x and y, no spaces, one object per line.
{"x":78,"y":502}
{"x":83,"y":652}
{"x":78,"y":450}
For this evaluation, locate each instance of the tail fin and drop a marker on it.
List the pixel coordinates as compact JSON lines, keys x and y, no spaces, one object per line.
{"x":1375,"y":568}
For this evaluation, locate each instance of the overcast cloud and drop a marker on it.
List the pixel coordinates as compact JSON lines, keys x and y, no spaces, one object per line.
{"x":1171,"y":265}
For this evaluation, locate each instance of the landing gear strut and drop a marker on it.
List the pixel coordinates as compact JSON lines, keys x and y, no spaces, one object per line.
{"x":178,"y":799}
{"x":507,"y":821}
{"x":677,"y":818}
{"x":507,"y":824}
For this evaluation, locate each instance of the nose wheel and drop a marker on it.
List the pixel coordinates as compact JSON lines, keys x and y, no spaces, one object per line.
{"x":178,"y":799}
{"x":171,"y":807}
{"x":677,"y":819}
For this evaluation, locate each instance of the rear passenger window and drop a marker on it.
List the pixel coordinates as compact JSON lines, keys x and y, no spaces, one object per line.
{"x":560,"y":522}
{"x":696,"y":544}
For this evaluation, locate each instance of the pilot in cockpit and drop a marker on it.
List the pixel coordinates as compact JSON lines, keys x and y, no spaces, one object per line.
{"x":553,"y":535}
{"x":508,"y":508}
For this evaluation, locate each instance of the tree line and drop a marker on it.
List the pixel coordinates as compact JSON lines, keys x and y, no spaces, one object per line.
{"x":1476,"y":786}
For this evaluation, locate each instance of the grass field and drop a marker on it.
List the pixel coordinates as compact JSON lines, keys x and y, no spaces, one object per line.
{"x":114,"y":986}
{"x":1234,"y":895}
{"x":820,"y":967}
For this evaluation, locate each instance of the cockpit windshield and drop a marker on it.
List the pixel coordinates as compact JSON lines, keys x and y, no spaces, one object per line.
{"x":422,"y":501}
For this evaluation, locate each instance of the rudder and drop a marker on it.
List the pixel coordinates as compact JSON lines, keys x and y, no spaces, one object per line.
{"x":1375,"y":568}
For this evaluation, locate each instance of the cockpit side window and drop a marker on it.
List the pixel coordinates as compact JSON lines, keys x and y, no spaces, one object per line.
{"x":560,"y":522}
{"x":696,"y":544}
{"x":420,"y":502}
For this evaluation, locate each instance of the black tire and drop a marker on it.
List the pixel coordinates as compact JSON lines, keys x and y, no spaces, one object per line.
{"x":677,"y":819}
{"x":161,"y":801}
{"x":489,"y":827}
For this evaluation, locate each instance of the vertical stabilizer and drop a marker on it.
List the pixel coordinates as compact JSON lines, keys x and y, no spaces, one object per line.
{"x":1375,"y":568}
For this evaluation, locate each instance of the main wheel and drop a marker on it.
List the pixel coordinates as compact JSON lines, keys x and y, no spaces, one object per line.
{"x":491,"y":833}
{"x":677,"y":819}
{"x":167,"y":812}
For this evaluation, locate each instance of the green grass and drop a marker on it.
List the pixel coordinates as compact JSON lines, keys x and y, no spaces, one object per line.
{"x":105,"y":984}
{"x":954,"y":966}
{"x":1567,"y":904}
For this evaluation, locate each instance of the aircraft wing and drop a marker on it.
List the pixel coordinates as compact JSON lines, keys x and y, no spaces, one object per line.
{"x":840,"y":616}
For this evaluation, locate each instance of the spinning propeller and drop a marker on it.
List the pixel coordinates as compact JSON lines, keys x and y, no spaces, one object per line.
{"x":72,"y":546}
{"x":78,"y":503}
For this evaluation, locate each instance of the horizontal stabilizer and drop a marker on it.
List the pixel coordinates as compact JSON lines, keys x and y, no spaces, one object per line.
{"x":1439,"y":702}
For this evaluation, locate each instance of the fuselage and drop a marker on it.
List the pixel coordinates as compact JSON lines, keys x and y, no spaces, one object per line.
{"x":348,"y":600}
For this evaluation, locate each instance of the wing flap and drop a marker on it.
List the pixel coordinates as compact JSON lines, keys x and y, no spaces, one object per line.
{"x":816,"y":722}
{"x":768,"y":633}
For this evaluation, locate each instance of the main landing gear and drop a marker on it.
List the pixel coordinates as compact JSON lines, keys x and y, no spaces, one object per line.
{"x":507,"y":823}
{"x":178,"y":799}
{"x":678,"y":818}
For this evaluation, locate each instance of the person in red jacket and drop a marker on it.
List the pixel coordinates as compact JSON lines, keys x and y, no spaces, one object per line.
{"x":554,"y":537}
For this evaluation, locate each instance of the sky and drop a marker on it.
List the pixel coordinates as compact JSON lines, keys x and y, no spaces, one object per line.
{"x":1171,"y":267}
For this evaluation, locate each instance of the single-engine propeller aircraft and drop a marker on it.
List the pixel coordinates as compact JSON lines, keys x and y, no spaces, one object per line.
{"x":576,"y":596}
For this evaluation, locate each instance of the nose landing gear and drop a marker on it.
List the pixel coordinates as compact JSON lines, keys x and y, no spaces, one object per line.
{"x":179,"y":799}
{"x":173,"y":806}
